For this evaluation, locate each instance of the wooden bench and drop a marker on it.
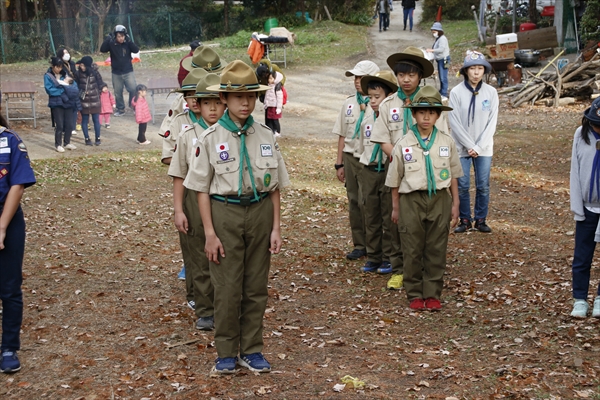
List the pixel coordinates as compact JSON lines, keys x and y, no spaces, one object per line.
{"x":19,"y":90}
{"x":160,"y":85}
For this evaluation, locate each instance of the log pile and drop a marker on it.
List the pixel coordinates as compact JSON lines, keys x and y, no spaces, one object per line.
{"x":576,"y":80}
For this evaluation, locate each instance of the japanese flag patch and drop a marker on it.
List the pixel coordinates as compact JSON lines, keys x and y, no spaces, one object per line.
{"x":395,"y":114}
{"x":368,"y":129}
{"x":349,"y":110}
{"x":184,"y":126}
{"x":222,"y":147}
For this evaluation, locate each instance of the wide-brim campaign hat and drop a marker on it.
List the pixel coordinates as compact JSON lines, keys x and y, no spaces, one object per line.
{"x":238,"y":77}
{"x":205,"y":82}
{"x":363,"y":68}
{"x":475,"y":58}
{"x":428,"y":97}
{"x":387,"y":78}
{"x":191,"y":80}
{"x":205,"y":58}
{"x":593,"y":112}
{"x":414,"y":55}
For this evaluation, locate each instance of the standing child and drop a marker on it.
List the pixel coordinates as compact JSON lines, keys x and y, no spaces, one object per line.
{"x":108,"y":104}
{"x":274,"y":102}
{"x":422,"y":176}
{"x":142,"y":113}
{"x":585,"y":204}
{"x":16,"y":175}
{"x":238,"y":172}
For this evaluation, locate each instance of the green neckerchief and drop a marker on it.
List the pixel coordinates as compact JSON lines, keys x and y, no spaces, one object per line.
{"x":202,"y":123}
{"x":193,"y":117}
{"x":226,"y":122}
{"x":407,"y":113}
{"x":431,"y":187}
{"x":377,"y":152}
{"x":360,"y":99}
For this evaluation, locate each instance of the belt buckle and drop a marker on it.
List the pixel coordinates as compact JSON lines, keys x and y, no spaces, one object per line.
{"x":245,"y":201}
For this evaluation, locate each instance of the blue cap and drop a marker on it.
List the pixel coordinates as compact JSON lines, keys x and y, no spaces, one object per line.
{"x":475,"y":58}
{"x":593,"y":113}
{"x":437,"y":26}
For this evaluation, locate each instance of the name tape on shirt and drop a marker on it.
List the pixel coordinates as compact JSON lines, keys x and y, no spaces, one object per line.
{"x":444,"y":151}
{"x":222,"y":147}
{"x":4,"y":150}
{"x":4,"y":142}
{"x":266,"y":150}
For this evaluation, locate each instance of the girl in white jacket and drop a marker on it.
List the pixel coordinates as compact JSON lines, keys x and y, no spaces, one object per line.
{"x":274,"y":103}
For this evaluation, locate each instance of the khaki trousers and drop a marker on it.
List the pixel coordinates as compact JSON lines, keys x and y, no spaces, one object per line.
{"x":424,"y":225}
{"x":240,"y":280}
{"x":197,"y":269}
{"x":352,"y":168}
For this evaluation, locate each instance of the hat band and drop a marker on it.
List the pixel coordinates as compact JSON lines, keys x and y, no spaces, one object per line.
{"x":188,"y":87}
{"x":412,"y":64}
{"x":232,"y":86}
{"x":208,"y":67}
{"x":425,"y":102}
{"x":206,"y":93}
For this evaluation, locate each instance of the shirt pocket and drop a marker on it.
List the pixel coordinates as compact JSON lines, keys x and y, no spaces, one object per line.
{"x":441,"y":168}
{"x":395,"y":130}
{"x":266,"y":176}
{"x":413,"y":175}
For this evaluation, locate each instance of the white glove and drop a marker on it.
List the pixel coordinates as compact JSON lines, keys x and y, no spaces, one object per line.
{"x":278,"y":110}
{"x":63,"y":83}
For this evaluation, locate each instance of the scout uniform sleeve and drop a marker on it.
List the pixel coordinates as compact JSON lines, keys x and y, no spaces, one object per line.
{"x":389,"y":127}
{"x":268,"y":162}
{"x":396,"y":169}
{"x":179,"y":166}
{"x":340,"y":123}
{"x":456,"y":170}
{"x":15,"y":168}
{"x":284,"y":179}
{"x":381,"y":130}
{"x":200,"y":174}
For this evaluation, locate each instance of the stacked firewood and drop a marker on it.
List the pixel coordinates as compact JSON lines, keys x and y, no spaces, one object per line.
{"x":555,"y":87}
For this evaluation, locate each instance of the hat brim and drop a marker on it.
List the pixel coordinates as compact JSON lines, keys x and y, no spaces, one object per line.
{"x":417,"y":106}
{"x":364,"y":83}
{"x":591,"y":116}
{"x":202,"y":95}
{"x":355,"y":72}
{"x":425,"y":64}
{"x":486,"y":65}
{"x":218,"y":88}
{"x":182,"y":91}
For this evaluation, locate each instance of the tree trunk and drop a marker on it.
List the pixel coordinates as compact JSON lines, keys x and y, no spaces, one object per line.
{"x":17,"y":7}
{"x":226,"y":16}
{"x":3,"y":12}
{"x":533,"y":13}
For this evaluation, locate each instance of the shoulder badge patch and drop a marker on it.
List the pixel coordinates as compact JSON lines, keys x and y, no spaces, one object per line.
{"x":22,"y":147}
{"x":197,"y":151}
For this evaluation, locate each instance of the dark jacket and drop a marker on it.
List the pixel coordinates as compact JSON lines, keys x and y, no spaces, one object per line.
{"x":408,"y":4}
{"x":56,"y":92}
{"x":120,"y":55}
{"x":72,"y":94}
{"x":90,"y":82}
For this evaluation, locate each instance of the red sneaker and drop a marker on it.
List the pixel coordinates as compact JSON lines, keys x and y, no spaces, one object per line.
{"x":417,"y":304}
{"x":433,"y":304}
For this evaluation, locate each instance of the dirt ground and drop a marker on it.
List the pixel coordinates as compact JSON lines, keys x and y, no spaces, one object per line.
{"x":105,"y":317}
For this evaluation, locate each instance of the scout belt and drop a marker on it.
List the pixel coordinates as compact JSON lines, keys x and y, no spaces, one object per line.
{"x":239,"y":200}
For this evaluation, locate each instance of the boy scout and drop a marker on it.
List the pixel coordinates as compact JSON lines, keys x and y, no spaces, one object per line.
{"x":381,"y":251}
{"x":187,"y":214}
{"x":394,"y":122}
{"x":423,"y":177}
{"x":238,"y":171}
{"x":347,"y":127}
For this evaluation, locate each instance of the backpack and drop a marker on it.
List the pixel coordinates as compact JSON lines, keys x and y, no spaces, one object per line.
{"x":285,"y":96}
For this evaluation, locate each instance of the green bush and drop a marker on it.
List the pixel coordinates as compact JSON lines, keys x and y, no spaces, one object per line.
{"x":315,"y":38}
{"x":589,"y":21}
{"x":451,"y":9}
{"x":238,"y":40}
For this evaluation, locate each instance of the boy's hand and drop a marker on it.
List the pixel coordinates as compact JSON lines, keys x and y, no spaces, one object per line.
{"x":275,"y":242}
{"x":181,"y":222}
{"x":395,"y":215}
{"x":214,"y":248}
{"x":2,"y":236}
{"x":455,"y":215}
{"x":472,"y":153}
{"x":340,"y":175}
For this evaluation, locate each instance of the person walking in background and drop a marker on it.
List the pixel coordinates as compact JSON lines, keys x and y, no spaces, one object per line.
{"x":142,"y":113}
{"x":473,"y":125}
{"x":182,"y":71}
{"x":107,"y":105}
{"x":383,"y":9}
{"x":90,"y":82}
{"x":274,"y":103}
{"x":441,"y":53}
{"x":17,"y":175}
{"x":585,"y":205}
{"x":60,"y":104}
{"x":120,"y":47}
{"x":408,"y":7}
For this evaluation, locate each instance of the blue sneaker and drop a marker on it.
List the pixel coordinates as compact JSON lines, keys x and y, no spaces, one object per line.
{"x":386,"y":268}
{"x":10,"y":362}
{"x":181,"y":274}
{"x":225,"y":365}
{"x":255,"y":362}
{"x":370,"y":266}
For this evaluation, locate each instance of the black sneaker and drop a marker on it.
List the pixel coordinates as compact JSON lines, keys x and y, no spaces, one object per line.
{"x":119,"y":113}
{"x":481,"y":226}
{"x":356,"y":254}
{"x":98,"y":142}
{"x":205,"y":323}
{"x":88,"y":142}
{"x":463,"y":226}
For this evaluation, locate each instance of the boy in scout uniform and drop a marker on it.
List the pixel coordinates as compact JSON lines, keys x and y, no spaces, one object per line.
{"x":187,"y":214}
{"x":423,"y":178}
{"x":381,"y":252}
{"x":347,"y":127}
{"x":394,"y":122}
{"x":238,"y":170}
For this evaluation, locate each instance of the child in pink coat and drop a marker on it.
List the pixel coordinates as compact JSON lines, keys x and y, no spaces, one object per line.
{"x":274,"y":103}
{"x":107,"y":104}
{"x":142,"y":112}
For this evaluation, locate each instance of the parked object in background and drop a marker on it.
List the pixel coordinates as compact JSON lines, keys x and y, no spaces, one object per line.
{"x":527,"y":57}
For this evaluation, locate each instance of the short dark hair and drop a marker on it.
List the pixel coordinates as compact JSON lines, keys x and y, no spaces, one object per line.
{"x":376,"y":85}
{"x":408,"y":67}
{"x":195,"y":44}
{"x":56,"y":62}
{"x":436,"y":109}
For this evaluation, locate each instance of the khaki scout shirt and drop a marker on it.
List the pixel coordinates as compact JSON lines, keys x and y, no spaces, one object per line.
{"x":345,"y":123}
{"x":407,"y":169}
{"x":184,"y":151}
{"x":215,"y":166}
{"x":389,"y":127}
{"x":181,"y":122}
{"x":367,"y":146}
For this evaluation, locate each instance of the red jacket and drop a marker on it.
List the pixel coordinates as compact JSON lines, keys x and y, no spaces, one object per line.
{"x":142,"y":111}
{"x":107,"y":102}
{"x":182,"y":71}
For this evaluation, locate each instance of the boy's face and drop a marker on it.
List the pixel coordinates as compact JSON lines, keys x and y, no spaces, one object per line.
{"x":191,"y":101}
{"x":240,"y":105}
{"x":376,"y":97}
{"x":408,"y":81}
{"x":475,"y":73}
{"x":425,"y":117}
{"x":211,"y":109}
{"x":57,"y":68}
{"x":357,"y":84}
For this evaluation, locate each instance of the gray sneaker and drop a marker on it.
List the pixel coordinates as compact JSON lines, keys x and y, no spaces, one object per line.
{"x":580,"y":309}
{"x":205,"y":323}
{"x":596,"y":309}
